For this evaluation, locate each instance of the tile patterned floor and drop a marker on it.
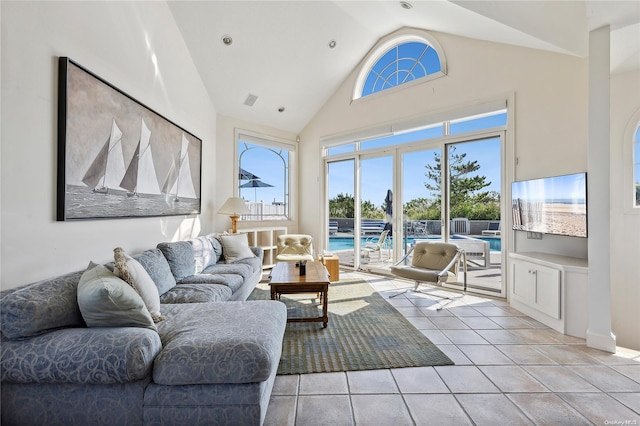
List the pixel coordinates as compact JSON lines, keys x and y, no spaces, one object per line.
{"x":510,"y":369}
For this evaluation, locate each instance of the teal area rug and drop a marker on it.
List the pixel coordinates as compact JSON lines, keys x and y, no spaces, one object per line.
{"x":365,"y":332}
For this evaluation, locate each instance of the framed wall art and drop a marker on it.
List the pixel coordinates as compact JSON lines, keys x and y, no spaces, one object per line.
{"x":118,"y":158}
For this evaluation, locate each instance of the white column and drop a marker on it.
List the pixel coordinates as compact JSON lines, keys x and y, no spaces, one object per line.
{"x":599,"y":333}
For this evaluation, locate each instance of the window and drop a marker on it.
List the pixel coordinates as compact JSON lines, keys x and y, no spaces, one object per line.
{"x":405,"y":57}
{"x":264,"y":169}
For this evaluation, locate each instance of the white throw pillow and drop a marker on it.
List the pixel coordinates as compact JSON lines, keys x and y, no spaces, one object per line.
{"x":235,"y":247}
{"x":107,"y":301}
{"x":131,"y":271}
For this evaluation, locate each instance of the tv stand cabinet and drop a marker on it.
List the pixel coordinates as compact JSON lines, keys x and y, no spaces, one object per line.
{"x":551,"y":289}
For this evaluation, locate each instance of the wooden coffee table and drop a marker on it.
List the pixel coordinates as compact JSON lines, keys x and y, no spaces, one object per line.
{"x":285,"y":278}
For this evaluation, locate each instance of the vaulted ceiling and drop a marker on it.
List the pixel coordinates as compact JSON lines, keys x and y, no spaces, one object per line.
{"x":280,"y":49}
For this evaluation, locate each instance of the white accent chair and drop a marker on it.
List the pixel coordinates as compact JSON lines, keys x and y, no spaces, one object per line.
{"x":295,"y":247}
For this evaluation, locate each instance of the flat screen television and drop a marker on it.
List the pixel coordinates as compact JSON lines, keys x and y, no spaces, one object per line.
{"x":552,"y":205}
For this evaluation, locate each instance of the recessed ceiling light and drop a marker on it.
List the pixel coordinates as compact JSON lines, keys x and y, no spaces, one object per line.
{"x":406,"y":5}
{"x":227,"y":40}
{"x":281,"y":109}
{"x":332,"y":44}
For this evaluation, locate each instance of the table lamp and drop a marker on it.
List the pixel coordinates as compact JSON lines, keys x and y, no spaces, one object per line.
{"x":234,"y":207}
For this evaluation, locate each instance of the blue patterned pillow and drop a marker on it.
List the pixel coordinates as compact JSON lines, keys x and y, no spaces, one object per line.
{"x":217,"y":246}
{"x":41,"y":307}
{"x":158,"y":269}
{"x":180,"y":257}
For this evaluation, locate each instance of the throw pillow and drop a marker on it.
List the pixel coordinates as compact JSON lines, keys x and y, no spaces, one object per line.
{"x":156,"y":265}
{"x":235,"y":247}
{"x":179,"y":255}
{"x":107,"y":301}
{"x":132,"y":272}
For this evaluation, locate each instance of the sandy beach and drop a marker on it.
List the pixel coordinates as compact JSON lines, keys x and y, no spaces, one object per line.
{"x":557,"y":218}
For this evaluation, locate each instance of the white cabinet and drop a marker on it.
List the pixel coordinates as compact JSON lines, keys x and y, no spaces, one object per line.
{"x":551,"y":289}
{"x":267,"y":239}
{"x":537,"y":286}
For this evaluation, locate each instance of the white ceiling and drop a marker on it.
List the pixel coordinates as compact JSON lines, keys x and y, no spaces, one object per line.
{"x":280,"y":48}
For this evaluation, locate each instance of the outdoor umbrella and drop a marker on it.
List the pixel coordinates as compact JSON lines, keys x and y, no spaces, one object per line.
{"x":245,"y":175}
{"x":255,"y":183}
{"x":388,"y":209}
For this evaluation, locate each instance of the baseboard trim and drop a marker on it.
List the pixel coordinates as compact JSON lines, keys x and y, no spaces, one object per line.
{"x":601,"y":341}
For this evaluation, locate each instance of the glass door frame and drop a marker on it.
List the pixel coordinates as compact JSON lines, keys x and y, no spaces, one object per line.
{"x":397,"y":153}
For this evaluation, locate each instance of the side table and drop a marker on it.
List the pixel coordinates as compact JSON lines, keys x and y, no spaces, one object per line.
{"x":332,"y":263}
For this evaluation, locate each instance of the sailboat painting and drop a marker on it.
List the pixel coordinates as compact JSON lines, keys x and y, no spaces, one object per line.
{"x":140,"y":177}
{"x":116,"y":157}
{"x":108,"y":166}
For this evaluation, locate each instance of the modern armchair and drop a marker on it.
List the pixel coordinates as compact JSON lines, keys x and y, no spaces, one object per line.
{"x":431,"y":262}
{"x":295,"y":247}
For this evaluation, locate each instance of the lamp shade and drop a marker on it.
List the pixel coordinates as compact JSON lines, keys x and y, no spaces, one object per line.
{"x":234,"y":206}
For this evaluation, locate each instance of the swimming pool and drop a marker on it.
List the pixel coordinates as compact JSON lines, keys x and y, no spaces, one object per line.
{"x":346,"y":243}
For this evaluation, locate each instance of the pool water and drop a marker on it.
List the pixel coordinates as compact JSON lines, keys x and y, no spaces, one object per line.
{"x":346,"y":243}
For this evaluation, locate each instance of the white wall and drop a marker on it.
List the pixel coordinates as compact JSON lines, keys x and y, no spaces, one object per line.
{"x":115,"y":40}
{"x":625,"y":221}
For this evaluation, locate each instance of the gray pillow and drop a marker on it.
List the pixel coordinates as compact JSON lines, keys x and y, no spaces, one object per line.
{"x":158,"y":269}
{"x":107,"y":301}
{"x":236,"y":247}
{"x":180,"y":257}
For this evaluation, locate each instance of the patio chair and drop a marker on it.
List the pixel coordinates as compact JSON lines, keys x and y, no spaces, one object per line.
{"x":492,"y":229}
{"x":377,"y":245}
{"x":295,"y":247}
{"x":432,"y":262}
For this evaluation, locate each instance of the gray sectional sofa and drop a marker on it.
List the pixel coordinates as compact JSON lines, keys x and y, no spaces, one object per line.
{"x":212,"y":360}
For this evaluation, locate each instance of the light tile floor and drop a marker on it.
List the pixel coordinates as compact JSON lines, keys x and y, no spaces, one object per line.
{"x":510,"y":369}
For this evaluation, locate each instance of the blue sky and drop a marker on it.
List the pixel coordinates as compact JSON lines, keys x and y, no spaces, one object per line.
{"x":557,"y":188}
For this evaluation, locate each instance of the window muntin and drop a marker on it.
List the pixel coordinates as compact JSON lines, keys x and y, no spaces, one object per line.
{"x":407,"y":56}
{"x":263,"y":180}
{"x":478,"y":122}
{"x":491,"y":120}
{"x":401,"y":64}
{"x":435,"y":131}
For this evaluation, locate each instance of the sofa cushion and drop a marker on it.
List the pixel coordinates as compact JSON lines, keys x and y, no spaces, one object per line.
{"x":81,"y":355}
{"x":107,"y":301}
{"x":231,"y":280}
{"x":156,"y":265}
{"x":235,"y":247}
{"x":131,"y":271}
{"x":206,"y":343}
{"x":242,"y":269}
{"x":203,"y":253}
{"x":197,"y":293}
{"x":179,"y":254}
{"x":41,"y":307}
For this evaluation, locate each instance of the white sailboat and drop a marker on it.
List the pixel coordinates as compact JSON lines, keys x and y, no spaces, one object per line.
{"x":107,"y":169}
{"x":179,"y":182}
{"x":140,"y":177}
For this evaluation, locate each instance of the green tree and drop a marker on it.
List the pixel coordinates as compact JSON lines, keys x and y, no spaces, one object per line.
{"x":343,"y":205}
{"x":467,"y":198}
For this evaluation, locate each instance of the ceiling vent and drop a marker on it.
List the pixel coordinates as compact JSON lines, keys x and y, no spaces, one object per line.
{"x":251,"y":99}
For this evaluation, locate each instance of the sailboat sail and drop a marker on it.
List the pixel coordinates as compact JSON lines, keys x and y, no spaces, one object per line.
{"x":141,"y":177}
{"x":179,"y":180}
{"x":107,"y":168}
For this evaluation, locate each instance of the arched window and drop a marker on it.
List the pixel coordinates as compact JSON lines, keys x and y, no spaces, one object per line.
{"x":401,"y":58}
